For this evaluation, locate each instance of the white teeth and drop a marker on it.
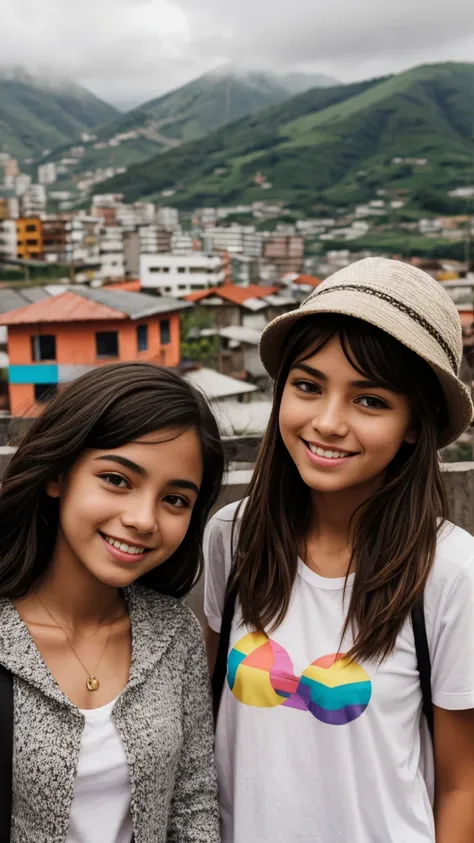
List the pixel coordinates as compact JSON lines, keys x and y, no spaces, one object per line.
{"x":126,"y":548}
{"x":326,"y":452}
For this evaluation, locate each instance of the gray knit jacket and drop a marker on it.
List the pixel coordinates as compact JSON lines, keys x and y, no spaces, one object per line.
{"x":163,"y":716}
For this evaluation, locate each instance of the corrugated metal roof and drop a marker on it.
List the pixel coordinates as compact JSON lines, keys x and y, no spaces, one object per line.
{"x":215,"y":386}
{"x":240,"y":333}
{"x":134,"y":305}
{"x":13,"y":299}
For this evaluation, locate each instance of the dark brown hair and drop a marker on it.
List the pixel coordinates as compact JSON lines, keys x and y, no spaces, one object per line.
{"x":104,"y":409}
{"x":394,"y":537}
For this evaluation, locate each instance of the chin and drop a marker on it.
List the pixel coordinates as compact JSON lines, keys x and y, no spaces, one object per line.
{"x":117,"y":578}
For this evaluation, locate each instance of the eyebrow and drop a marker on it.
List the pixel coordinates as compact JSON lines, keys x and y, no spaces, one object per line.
{"x":364,"y":383}
{"x":138,"y":469}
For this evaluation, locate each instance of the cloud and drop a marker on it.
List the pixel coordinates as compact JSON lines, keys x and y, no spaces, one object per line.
{"x":136,"y":49}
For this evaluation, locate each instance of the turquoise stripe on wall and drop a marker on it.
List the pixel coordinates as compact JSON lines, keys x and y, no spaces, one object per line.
{"x":38,"y":373}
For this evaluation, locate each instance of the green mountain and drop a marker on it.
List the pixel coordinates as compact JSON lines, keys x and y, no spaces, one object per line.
{"x":185,"y":114}
{"x":333,"y":145}
{"x":36,"y":114}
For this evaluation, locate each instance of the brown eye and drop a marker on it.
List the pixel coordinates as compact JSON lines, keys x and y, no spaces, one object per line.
{"x":177,"y":501}
{"x":115,"y":480}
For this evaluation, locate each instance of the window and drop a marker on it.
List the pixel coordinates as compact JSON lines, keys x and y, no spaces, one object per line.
{"x":32,"y":243}
{"x":43,"y":347}
{"x":45,"y":391}
{"x":106,"y":344}
{"x":181,"y":269}
{"x":142,"y":337}
{"x":31,"y":227}
{"x":165,"y":334}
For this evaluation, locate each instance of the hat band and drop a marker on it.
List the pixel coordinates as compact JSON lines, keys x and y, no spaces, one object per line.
{"x":404,"y":308}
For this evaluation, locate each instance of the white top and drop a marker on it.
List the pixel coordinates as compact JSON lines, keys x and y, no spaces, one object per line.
{"x":100,"y":810}
{"x":312,"y":749}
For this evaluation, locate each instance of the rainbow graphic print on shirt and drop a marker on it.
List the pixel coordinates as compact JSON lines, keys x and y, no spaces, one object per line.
{"x":333,"y":689}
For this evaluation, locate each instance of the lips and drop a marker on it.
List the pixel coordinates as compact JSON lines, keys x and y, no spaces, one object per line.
{"x":328,"y":453}
{"x":124,"y":551}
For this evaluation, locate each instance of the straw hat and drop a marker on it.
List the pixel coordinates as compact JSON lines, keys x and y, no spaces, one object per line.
{"x":401,"y":300}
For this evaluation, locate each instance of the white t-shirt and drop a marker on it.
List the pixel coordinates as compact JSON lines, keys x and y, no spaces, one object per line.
{"x":100,"y":810}
{"x":313,"y":750}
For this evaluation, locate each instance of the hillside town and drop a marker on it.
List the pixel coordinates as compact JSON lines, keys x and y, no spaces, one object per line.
{"x":191,"y":290}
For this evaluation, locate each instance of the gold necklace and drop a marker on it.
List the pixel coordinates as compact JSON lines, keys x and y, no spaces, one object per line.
{"x":92,"y":683}
{"x":65,"y":626}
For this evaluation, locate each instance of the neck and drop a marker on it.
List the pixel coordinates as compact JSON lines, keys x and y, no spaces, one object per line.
{"x":75,"y":597}
{"x":336,"y":514}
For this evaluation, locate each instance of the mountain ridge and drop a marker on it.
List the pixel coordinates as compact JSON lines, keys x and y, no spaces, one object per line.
{"x":335,"y":144}
{"x":38,"y":112}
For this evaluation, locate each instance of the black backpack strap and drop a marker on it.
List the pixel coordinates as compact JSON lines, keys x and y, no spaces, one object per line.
{"x":423,"y":660}
{"x":6,"y":752}
{"x":220,"y":667}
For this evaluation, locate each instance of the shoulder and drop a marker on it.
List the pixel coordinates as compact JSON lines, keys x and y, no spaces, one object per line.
{"x":160,"y":611}
{"x":230,"y":513}
{"x":453,"y":562}
{"x":226,"y":519}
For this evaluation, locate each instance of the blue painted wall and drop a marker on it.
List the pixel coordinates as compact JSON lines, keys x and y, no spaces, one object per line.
{"x":36,"y":373}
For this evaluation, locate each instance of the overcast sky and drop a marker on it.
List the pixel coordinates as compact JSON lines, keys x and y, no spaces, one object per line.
{"x":128,"y":51}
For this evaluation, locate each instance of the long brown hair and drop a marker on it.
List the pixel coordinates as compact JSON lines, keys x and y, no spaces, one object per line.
{"x":106,"y":408}
{"x":394,"y":537}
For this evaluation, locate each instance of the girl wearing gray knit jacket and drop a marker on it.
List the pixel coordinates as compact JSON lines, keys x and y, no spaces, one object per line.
{"x":101,"y":517}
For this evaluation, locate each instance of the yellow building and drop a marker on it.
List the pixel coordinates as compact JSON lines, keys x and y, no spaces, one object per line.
{"x":29,"y":238}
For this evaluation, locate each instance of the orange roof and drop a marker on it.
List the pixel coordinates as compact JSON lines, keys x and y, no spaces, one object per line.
{"x":67,"y":307}
{"x":132,"y":286}
{"x":309,"y":280}
{"x":233,"y":293}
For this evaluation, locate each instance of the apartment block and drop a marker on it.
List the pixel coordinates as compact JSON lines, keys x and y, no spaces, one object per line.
{"x":29,"y":238}
{"x":179,"y":275}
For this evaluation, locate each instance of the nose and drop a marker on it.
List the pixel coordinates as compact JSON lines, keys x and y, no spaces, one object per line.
{"x":331,"y":418}
{"x":141,"y":514}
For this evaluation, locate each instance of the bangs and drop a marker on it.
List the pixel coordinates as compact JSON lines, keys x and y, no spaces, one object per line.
{"x":374,"y":354}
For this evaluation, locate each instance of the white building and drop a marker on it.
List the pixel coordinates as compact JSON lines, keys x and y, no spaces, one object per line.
{"x":167,"y":217}
{"x":47,"y":173}
{"x":181,"y":243}
{"x":111,"y":255}
{"x":33,"y":201}
{"x":8,"y":239}
{"x":21,"y":183}
{"x":132,"y":216}
{"x":177,"y":275}
{"x":154,"y":239}
{"x":235,"y":239}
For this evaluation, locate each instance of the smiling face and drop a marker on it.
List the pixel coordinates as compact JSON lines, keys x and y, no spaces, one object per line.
{"x":341,"y":429}
{"x":123,"y":512}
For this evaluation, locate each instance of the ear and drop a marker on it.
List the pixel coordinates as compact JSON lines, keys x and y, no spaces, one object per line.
{"x":53,"y":487}
{"x":411,"y":436}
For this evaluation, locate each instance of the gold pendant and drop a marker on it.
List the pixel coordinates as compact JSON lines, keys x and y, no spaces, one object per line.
{"x":92,"y":683}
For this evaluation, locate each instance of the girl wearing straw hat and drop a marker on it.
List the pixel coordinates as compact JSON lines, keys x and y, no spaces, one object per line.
{"x":339,"y":599}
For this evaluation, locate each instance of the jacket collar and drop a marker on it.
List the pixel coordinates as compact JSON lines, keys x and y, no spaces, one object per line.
{"x":154,"y":620}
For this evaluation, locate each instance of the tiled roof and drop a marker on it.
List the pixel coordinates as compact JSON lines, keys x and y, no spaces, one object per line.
{"x":83,"y":304}
{"x":67,"y":307}
{"x":130,"y":286}
{"x":233,"y":293}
